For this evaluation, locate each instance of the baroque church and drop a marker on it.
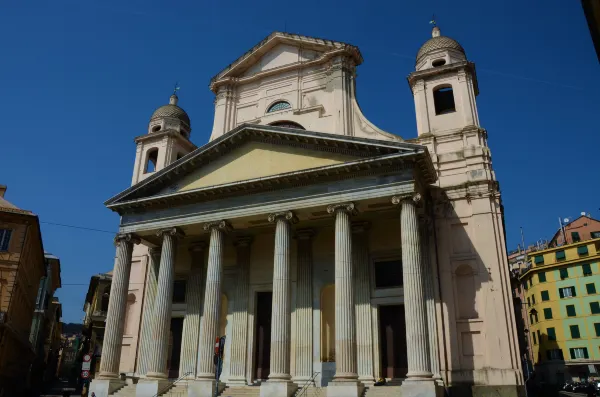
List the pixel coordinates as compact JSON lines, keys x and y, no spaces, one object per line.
{"x":329,"y":253}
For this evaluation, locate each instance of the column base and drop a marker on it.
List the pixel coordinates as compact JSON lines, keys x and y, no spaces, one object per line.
{"x":351,"y":388}
{"x":277,"y":388}
{"x":204,"y":387}
{"x":105,"y":387}
{"x":150,"y":387}
{"x":421,"y":388}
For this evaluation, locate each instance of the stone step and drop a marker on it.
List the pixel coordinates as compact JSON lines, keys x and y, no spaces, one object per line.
{"x":176,"y":391}
{"x":125,"y":391}
{"x":382,"y":391}
{"x":311,"y":392}
{"x":240,"y":391}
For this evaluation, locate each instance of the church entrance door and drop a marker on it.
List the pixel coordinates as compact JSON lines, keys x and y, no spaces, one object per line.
{"x":174,"y":353}
{"x":262,"y":343}
{"x":392,"y":337}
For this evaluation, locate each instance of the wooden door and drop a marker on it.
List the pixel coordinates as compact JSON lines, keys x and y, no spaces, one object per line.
{"x":392,"y":337}
{"x":262,"y":343}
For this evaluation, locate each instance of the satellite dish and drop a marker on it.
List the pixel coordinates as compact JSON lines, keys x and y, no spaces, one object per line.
{"x":566,"y":220}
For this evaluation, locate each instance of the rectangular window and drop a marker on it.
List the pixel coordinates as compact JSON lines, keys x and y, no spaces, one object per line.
{"x":545,"y":296}
{"x":575,"y":237}
{"x":534,"y":338}
{"x":582,"y":251}
{"x":539,"y":259}
{"x":575,"y":331}
{"x":587,"y":269}
{"x":595,"y":234}
{"x":528,"y":302}
{"x":539,"y":336}
{"x":551,"y":333}
{"x":542,"y":277}
{"x":548,"y":313}
{"x":564,"y":273}
{"x":533,"y":299}
{"x":579,"y":352}
{"x":179,"y":287}
{"x":4,"y":239}
{"x":531,"y":319}
{"x":595,"y":307}
{"x":571,"y":311}
{"x":597,"y":328}
{"x":525,"y":287}
{"x":554,"y":354}
{"x":388,"y":274}
{"x":590,"y":288}
{"x":560,"y":255}
{"x":567,"y":292}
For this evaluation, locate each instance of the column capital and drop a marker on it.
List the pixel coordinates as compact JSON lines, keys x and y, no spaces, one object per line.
{"x":416,"y":198}
{"x":360,"y":227}
{"x":197,"y":247}
{"x":305,"y":234}
{"x":243,"y":241}
{"x":126,"y":238}
{"x":350,"y":208}
{"x":222,"y":225}
{"x":172,"y":231}
{"x":286,"y":215}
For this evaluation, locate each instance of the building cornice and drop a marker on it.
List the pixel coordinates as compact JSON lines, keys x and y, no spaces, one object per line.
{"x":157,"y":136}
{"x":426,"y":74}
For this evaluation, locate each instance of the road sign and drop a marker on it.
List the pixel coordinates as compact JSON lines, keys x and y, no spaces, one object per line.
{"x":85,"y":374}
{"x":87,"y":358}
{"x":86,"y":366}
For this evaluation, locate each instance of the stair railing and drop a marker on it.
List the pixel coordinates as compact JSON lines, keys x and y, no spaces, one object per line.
{"x":307,"y":384}
{"x":166,"y":388}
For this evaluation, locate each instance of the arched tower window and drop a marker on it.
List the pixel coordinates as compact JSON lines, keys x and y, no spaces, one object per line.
{"x":279,"y":105}
{"x":443,"y":100}
{"x":287,"y":124}
{"x":151,"y":161}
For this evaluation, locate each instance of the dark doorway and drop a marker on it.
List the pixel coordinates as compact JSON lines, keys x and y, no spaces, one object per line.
{"x":174,"y":354}
{"x":392,"y":336}
{"x":262,"y":358}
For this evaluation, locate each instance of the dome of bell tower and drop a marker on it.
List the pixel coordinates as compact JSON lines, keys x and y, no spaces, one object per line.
{"x":170,"y":117}
{"x":438,"y":51}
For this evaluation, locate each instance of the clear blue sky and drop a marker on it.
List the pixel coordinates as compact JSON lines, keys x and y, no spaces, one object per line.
{"x":80,"y":79}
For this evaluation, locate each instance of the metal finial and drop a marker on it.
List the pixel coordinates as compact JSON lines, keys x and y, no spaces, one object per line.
{"x":433,"y":22}
{"x":176,"y":88}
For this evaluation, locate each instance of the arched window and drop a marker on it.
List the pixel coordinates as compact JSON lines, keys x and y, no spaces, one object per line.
{"x":151,"y":160}
{"x":277,"y":106}
{"x":443,"y":100}
{"x":287,"y":124}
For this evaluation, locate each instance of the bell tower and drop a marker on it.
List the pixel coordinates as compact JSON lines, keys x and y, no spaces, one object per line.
{"x":444,"y":86}
{"x":167,"y":140}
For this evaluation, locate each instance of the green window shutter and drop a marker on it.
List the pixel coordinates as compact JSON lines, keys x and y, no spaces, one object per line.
{"x":597,"y":328}
{"x":575,"y":237}
{"x":539,"y":259}
{"x":575,"y":332}
{"x":586,"y":267}
{"x":548,"y":313}
{"x":545,"y":296}
{"x":560,"y":255}
{"x":564,"y":273}
{"x":595,"y":307}
{"x":542,"y":277}
{"x":591,"y":288}
{"x":571,"y":311}
{"x":583,"y":250}
{"x":552,"y":333}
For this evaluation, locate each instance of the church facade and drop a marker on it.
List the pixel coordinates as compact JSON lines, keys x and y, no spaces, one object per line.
{"x":328,"y":252}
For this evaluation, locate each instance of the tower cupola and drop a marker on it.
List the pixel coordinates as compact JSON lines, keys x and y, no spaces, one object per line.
{"x":439,"y":51}
{"x":170,"y":117}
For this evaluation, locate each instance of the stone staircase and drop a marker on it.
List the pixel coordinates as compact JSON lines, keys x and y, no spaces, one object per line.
{"x":125,"y":391}
{"x":177,"y":390}
{"x":311,"y":391}
{"x":382,"y":391}
{"x":240,"y":391}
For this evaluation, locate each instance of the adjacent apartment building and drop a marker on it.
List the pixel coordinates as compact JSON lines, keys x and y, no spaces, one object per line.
{"x":94,"y":323}
{"x":22,"y":266}
{"x":560,"y":288}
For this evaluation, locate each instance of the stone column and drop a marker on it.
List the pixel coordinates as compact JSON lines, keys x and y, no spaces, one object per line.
{"x":415,"y":306}
{"x":147,"y":311}
{"x":346,"y":376}
{"x":304,"y":312}
{"x":115,"y":317}
{"x":426,"y":230}
{"x":279,"y":383}
{"x":362,"y":294}
{"x":157,"y":367}
{"x":239,"y":334}
{"x":209,"y":325}
{"x":191,"y":322}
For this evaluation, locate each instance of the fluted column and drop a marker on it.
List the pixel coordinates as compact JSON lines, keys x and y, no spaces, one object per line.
{"x":426,"y":230}
{"x":281,"y":311}
{"x":147,"y":311}
{"x":115,"y":317}
{"x":415,"y":307}
{"x":239,"y":334}
{"x":157,"y":367}
{"x":345,"y":331}
{"x":303,"y":310}
{"x":362,"y":294}
{"x":209,"y":325}
{"x":191,"y":322}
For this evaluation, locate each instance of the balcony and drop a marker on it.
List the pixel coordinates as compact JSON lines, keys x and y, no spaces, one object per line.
{"x":98,"y":316}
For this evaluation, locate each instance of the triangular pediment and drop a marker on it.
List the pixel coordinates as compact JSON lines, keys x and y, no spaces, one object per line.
{"x":254,"y":157}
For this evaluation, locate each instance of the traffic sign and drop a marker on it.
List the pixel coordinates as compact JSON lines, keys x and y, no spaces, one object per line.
{"x":87,"y":358}
{"x":85,"y":374}
{"x":86,"y":366}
